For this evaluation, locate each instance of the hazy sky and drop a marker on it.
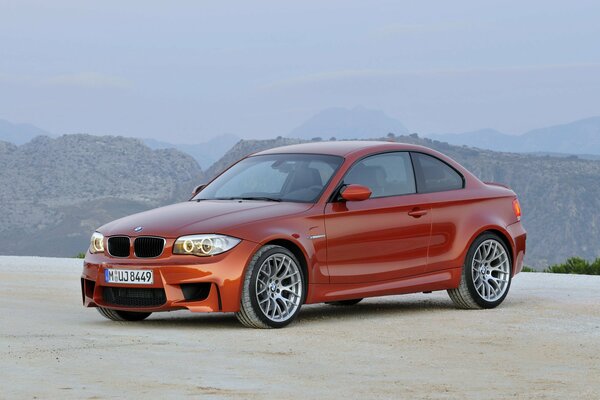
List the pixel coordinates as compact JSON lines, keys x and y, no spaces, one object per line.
{"x":189,"y":70}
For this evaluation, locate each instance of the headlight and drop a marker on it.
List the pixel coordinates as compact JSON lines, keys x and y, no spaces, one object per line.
{"x":97,"y":243}
{"x":204,"y":245}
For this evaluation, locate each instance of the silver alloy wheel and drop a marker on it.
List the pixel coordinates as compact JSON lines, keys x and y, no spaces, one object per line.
{"x":279,"y":287}
{"x":490,"y":270}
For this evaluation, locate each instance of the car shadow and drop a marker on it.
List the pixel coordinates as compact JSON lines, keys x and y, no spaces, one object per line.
{"x":375,"y":307}
{"x":311,"y":313}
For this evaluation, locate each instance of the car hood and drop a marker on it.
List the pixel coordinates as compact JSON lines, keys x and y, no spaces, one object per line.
{"x":206,"y":216}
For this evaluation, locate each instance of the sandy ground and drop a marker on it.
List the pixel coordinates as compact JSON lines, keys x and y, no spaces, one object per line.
{"x":542,"y":343}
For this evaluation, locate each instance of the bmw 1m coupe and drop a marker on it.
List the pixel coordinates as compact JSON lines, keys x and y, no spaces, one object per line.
{"x":330,"y":222}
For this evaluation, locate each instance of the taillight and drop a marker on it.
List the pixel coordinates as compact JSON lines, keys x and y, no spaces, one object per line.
{"x":517,"y":209}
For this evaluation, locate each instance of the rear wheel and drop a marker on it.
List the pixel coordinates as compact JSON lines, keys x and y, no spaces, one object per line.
{"x":273,"y":289}
{"x":117,"y":315}
{"x":344,"y":302}
{"x":486,"y":275}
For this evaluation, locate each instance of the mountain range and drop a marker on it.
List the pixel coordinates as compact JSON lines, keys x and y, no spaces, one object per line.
{"x":581,"y":137}
{"x":344,"y":123}
{"x":19,"y":133}
{"x":57,"y":191}
{"x":578,"y":137}
{"x":205,"y":153}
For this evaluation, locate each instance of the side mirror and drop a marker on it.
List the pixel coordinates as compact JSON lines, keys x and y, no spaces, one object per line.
{"x":355,"y":192}
{"x":198,"y":189}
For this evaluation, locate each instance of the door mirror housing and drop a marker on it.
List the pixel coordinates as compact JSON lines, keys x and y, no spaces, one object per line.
{"x":198,"y":189}
{"x":355,"y":192}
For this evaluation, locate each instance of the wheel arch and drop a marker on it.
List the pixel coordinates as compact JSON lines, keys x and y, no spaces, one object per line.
{"x":502,"y":234}
{"x":297,"y":252}
{"x":504,"y":237}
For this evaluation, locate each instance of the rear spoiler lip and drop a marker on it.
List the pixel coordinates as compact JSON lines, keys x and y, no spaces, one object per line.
{"x":498,"y":184}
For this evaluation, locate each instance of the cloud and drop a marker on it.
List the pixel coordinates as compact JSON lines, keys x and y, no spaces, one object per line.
{"x":326,"y":77}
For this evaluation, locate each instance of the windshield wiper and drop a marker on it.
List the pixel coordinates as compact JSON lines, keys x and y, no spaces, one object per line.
{"x":262,"y":198}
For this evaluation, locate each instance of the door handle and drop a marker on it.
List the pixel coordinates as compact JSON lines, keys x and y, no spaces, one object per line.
{"x":417,"y":213}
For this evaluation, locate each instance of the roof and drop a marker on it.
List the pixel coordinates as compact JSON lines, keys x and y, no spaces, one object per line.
{"x":341,"y":147}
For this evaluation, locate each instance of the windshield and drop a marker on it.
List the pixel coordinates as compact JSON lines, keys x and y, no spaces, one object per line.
{"x":275,"y":177}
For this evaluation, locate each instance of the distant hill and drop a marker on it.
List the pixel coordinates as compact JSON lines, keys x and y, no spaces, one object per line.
{"x":344,"y":123}
{"x":19,"y":133}
{"x":578,"y":137}
{"x":242,"y":149}
{"x":560,"y":196}
{"x":205,"y":153}
{"x":55,"y":192}
{"x":581,"y":136}
{"x":482,"y":138}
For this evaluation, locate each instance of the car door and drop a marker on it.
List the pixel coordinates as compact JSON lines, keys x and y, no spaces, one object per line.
{"x":444,"y":186}
{"x":384,"y":237}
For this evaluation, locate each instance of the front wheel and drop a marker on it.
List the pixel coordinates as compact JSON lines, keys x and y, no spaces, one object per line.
{"x":273,"y":289}
{"x":117,"y":315}
{"x":486,"y":275}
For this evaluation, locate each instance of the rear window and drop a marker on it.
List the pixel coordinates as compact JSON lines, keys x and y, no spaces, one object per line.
{"x":434,"y":175}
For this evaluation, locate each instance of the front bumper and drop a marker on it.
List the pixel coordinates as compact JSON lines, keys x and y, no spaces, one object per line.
{"x":180,"y":282}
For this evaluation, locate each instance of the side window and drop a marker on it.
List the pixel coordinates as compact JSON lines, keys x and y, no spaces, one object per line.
{"x":388,"y":174}
{"x":434,"y":175}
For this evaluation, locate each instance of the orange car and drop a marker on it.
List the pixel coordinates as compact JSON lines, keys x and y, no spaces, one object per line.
{"x":331,"y":222}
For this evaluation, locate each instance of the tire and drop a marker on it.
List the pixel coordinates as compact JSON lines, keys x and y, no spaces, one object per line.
{"x":486,"y":274}
{"x":117,"y":315}
{"x":273,"y":290}
{"x":344,"y":302}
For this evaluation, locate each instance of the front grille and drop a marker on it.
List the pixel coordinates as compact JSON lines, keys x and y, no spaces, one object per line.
{"x":134,"y":297}
{"x":148,"y":247}
{"x":118,"y":246}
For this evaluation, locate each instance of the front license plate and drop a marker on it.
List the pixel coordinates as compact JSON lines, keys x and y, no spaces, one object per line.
{"x":131,"y":276}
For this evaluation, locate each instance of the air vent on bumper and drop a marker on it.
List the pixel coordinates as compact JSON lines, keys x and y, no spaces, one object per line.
{"x":134,"y":297}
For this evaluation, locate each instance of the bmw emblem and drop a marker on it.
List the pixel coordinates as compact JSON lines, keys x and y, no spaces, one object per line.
{"x":138,"y":228}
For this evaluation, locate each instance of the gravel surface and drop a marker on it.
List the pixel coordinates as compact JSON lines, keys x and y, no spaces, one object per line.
{"x":542,"y":343}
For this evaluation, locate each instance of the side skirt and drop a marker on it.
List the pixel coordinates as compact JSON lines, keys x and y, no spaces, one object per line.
{"x":439,"y":280}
